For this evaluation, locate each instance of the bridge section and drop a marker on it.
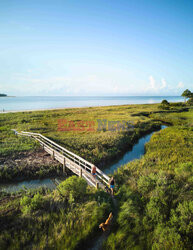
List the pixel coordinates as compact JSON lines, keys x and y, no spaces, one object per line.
{"x":69,"y":160}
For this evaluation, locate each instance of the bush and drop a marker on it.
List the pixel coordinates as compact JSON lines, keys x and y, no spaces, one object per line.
{"x":31,"y":204}
{"x":146,"y":183}
{"x":166,"y":238}
{"x":182,"y":218}
{"x":190,"y":101}
{"x":177,"y":104}
{"x":165,"y":102}
{"x":73,"y":189}
{"x":164,"y":107}
{"x":185,"y":170}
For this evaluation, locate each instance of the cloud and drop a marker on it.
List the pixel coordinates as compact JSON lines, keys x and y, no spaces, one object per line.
{"x":152,"y":82}
{"x":89,"y":83}
{"x":156,"y":88}
{"x":180,"y":85}
{"x":163,"y":88}
{"x":164,"y":84}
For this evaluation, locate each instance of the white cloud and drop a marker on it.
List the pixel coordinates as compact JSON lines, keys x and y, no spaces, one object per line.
{"x":164,"y":84}
{"x":156,"y":88}
{"x":152,"y":82}
{"x":180,"y":85}
{"x":89,"y":83}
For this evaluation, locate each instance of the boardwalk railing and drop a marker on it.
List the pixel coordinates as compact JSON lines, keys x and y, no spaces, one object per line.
{"x":75,"y":163}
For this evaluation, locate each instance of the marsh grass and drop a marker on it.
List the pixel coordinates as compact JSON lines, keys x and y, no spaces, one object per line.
{"x":155,"y":192}
{"x":98,"y":147}
{"x":53,"y":220}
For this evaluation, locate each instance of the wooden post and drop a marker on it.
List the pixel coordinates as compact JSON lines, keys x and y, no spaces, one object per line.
{"x":53,"y":154}
{"x":64,"y":166}
{"x":80,"y":172}
{"x":97,"y":185}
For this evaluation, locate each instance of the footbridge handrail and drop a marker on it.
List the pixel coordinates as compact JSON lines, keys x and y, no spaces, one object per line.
{"x":79,"y":162}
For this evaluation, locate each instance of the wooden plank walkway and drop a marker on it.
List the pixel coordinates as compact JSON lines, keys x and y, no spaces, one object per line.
{"x":69,"y":160}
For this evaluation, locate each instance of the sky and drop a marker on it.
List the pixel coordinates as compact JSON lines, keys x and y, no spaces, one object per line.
{"x":96,"y":47}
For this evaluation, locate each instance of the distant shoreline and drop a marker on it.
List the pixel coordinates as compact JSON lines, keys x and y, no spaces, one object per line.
{"x":33,"y":110}
{"x":31,"y":104}
{"x":8,"y":96}
{"x":50,"y":109}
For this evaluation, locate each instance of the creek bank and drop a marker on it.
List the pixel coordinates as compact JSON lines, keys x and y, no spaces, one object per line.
{"x":28,"y":165}
{"x":134,"y":153}
{"x":32,"y":168}
{"x":129,"y":140}
{"x":137,"y":151}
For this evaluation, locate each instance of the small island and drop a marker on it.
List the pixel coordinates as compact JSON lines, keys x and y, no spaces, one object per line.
{"x":3,"y":95}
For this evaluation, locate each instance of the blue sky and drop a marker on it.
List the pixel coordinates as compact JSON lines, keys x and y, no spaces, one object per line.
{"x":103,"y":47}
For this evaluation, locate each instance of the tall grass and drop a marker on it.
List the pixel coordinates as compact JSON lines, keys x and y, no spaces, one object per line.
{"x":56,"y":220}
{"x":155,"y":192}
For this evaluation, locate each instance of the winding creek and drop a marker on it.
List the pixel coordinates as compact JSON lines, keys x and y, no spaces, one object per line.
{"x":136,"y":152}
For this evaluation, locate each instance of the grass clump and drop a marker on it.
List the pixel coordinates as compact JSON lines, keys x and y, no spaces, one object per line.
{"x":62,"y":219}
{"x":30,"y":204}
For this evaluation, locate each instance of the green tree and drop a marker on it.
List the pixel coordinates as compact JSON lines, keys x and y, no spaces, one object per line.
{"x":187,"y":94}
{"x":165,"y":102}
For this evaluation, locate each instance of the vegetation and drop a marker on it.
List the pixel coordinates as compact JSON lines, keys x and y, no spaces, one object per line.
{"x":99,"y":147}
{"x":187,"y":94}
{"x":190,"y":101}
{"x":154,"y":194}
{"x":2,"y":95}
{"x":54,"y":220}
{"x":165,"y":105}
{"x":165,"y":102}
{"x":23,"y":172}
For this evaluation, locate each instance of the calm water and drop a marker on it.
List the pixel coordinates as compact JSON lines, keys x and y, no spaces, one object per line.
{"x":48,"y":102}
{"x":30,"y":184}
{"x":135,"y":153}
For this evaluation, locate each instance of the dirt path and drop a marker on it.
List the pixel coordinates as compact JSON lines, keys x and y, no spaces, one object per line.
{"x":99,"y":240}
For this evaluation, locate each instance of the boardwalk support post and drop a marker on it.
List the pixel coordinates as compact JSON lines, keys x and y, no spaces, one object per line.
{"x":97,"y":185}
{"x":64,"y":166}
{"x":75,"y":163}
{"x":80,"y":172}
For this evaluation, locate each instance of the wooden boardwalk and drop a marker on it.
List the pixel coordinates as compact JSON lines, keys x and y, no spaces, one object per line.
{"x":69,"y":160}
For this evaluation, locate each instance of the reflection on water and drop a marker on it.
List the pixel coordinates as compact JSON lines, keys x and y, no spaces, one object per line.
{"x":30,"y":184}
{"x":135,"y":153}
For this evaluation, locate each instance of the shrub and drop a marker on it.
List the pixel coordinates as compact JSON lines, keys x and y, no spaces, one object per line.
{"x":166,"y":238}
{"x":165,"y":102}
{"x":182,"y":218}
{"x":164,"y":107}
{"x":190,"y":101}
{"x":185,"y":169}
{"x":146,"y":183}
{"x":73,"y":189}
{"x":30,"y":204}
{"x":177,"y":104}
